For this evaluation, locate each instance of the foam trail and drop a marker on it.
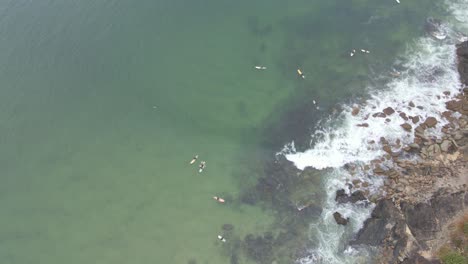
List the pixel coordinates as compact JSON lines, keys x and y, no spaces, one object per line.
{"x":429,"y":80}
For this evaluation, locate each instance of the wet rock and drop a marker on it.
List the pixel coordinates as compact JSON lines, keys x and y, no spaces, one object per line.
{"x":425,"y":219}
{"x":355,"y":111}
{"x":339,"y":219}
{"x":388,"y":111}
{"x":403,"y":115}
{"x":387,"y":149}
{"x":430,"y":122}
{"x":363,"y":125}
{"x":356,"y":182}
{"x":374,"y":232}
{"x":380,"y":114}
{"x":447,"y":115}
{"x":406,"y":127}
{"x":415,"y":119}
{"x":411,"y":104}
{"x":378,"y":170}
{"x":342,"y":197}
{"x":358,"y":196}
{"x":453,"y":105}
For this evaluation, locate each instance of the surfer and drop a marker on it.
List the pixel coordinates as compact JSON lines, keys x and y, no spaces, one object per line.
{"x":300,"y":73}
{"x":194,"y":159}
{"x":202,"y":166}
{"x":260,"y":67}
{"x":221,"y":238}
{"x":218,"y":199}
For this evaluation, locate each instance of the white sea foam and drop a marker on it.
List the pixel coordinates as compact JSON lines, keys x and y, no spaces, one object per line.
{"x":429,"y":71}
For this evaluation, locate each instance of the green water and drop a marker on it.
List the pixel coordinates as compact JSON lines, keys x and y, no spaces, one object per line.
{"x":104,"y":103}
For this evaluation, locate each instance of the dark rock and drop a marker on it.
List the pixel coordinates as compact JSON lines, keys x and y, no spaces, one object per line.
{"x":363,"y":125}
{"x":462,"y":53}
{"x":411,"y":104}
{"x":380,"y":114}
{"x":358,"y":196}
{"x":406,"y":127}
{"x":415,"y":119}
{"x":374,"y":231}
{"x":430,"y":122}
{"x":383,"y":141}
{"x":426,"y":219}
{"x":388,"y":111}
{"x":403,"y":115}
{"x":339,"y":219}
{"x":342,"y":197}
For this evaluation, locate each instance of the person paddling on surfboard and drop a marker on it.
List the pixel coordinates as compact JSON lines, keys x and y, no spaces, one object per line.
{"x":194,"y":159}
{"x":202,"y":166}
{"x":221,"y":238}
{"x":300,"y":73}
{"x":218,"y":199}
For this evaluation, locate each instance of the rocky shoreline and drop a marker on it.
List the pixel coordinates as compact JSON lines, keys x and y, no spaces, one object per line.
{"x":422,"y":196}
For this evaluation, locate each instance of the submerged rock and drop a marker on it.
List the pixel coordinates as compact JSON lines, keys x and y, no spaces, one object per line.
{"x":339,"y":219}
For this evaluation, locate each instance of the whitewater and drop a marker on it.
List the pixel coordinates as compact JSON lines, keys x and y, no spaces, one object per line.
{"x":427,"y":79}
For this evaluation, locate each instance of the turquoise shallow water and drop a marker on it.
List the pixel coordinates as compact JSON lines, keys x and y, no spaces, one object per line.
{"x":103,"y":103}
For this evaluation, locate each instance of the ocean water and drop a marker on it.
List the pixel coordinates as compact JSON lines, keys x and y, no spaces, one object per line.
{"x":104,"y":103}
